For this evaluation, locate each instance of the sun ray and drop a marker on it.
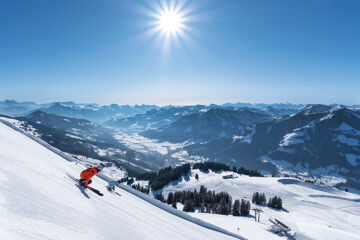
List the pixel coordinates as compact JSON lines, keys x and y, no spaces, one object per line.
{"x":169,"y":23}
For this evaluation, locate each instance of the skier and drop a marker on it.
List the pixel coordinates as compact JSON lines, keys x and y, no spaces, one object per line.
{"x":112,"y":184}
{"x":87,"y":174}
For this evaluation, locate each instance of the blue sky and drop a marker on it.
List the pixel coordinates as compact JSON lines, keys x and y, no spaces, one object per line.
{"x":101,"y":51}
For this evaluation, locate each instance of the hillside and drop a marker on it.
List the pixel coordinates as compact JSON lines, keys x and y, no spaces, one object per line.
{"x":81,"y":138}
{"x":207,"y":125}
{"x":312,"y":212}
{"x":38,"y":201}
{"x":318,"y":141}
{"x":154,"y":118}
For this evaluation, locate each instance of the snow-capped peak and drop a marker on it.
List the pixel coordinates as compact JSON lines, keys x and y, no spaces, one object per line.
{"x":316,"y":108}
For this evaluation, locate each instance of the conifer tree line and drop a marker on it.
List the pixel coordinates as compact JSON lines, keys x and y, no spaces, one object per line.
{"x":142,"y":189}
{"x":275,"y":202}
{"x":216,"y":167}
{"x":260,"y":198}
{"x":168,"y":174}
{"x":213,"y":166}
{"x":241,"y":208}
{"x":165,"y":176}
{"x":128,"y":180}
{"x":207,"y":202}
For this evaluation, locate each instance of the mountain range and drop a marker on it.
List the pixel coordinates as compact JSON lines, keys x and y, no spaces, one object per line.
{"x":207,"y":125}
{"x":312,"y":141}
{"x":83,"y":138}
{"x":92,"y":112}
{"x":319,"y":140}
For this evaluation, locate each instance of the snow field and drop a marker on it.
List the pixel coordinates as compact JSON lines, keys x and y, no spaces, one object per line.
{"x":38,"y":201}
{"x":312,"y":212}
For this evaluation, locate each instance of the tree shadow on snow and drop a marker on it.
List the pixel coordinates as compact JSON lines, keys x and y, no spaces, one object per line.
{"x":177,"y":181}
{"x":279,"y":210}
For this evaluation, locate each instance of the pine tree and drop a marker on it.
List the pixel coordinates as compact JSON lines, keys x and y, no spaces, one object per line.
{"x":236,"y":208}
{"x":255,"y":198}
{"x":208,"y":208}
{"x":202,"y":209}
{"x":279,"y":203}
{"x":244,"y":207}
{"x":275,"y":202}
{"x":197,"y":201}
{"x":160,"y":197}
{"x":197,"y":177}
{"x":174,"y":204}
{"x":170,"y":198}
{"x":223,"y":207}
{"x":248,"y":207}
{"x":130,"y":181}
{"x":189,"y":206}
{"x":262,"y":198}
{"x":270,"y":203}
{"x":258,"y":198}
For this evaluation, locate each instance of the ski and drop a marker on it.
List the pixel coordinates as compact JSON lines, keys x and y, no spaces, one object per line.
{"x":95,"y":191}
{"x":88,"y":187}
{"x":114,"y":192}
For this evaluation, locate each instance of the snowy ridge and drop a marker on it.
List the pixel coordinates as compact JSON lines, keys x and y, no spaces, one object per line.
{"x":39,"y":141}
{"x":132,"y":192}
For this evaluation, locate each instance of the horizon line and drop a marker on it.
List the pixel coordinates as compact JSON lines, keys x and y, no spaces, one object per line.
{"x":176,"y":105}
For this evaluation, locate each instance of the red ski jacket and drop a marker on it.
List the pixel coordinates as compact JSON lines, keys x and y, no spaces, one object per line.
{"x":87,"y":174}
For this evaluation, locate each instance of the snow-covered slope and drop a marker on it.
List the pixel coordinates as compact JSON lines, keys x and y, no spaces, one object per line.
{"x":312,"y":212}
{"x":38,"y":201}
{"x":207,"y":125}
{"x":317,"y":143}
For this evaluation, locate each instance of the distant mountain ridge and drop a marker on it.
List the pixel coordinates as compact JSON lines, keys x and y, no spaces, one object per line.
{"x":83,"y":137}
{"x":317,"y":141}
{"x":114,"y":112}
{"x":207,"y":125}
{"x":92,"y":112}
{"x":14,"y":108}
{"x":97,"y":113}
{"x":291,"y":139}
{"x":155,"y":118}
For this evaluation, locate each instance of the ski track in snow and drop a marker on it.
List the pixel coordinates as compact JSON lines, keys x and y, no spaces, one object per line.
{"x":38,"y":200}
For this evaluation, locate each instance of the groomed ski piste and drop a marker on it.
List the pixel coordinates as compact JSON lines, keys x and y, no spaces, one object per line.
{"x":39,"y":201}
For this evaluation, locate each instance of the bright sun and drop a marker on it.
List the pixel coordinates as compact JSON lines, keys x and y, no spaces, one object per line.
{"x":170,"y":21}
